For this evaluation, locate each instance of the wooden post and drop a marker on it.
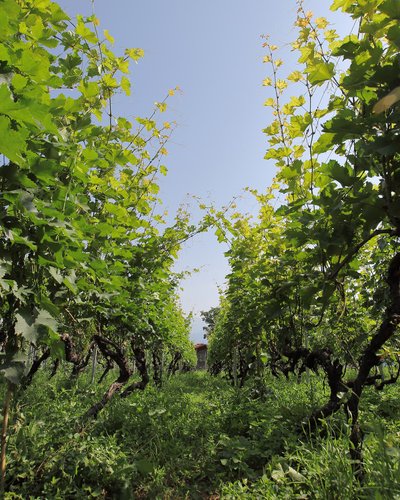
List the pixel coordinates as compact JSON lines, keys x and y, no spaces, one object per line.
{"x":6,"y":413}
{"x":94,"y":364}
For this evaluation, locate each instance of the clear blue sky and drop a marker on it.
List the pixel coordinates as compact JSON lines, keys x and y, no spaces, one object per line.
{"x":213,"y":51}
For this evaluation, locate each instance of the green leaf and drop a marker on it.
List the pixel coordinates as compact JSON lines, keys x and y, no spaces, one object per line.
{"x":89,"y":89}
{"x":391,"y":8}
{"x":12,"y":142}
{"x":24,"y":111}
{"x":144,"y":466}
{"x":47,"y":170}
{"x":278,"y":474}
{"x":13,"y":371}
{"x":126,"y":85}
{"x":108,"y":36}
{"x":83,"y":31}
{"x":135,"y":54}
{"x":295,"y":476}
{"x":28,"y":324}
{"x":340,"y":173}
{"x":324,"y":143}
{"x":44,"y":318}
{"x":50,"y":307}
{"x":341,"y":4}
{"x":320,"y":72}
{"x":57,"y":346}
{"x":25,"y":325}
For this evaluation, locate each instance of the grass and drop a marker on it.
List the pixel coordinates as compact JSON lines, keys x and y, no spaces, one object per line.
{"x":197,"y":437}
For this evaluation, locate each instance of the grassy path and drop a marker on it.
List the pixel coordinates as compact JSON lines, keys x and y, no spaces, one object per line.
{"x":195,"y":438}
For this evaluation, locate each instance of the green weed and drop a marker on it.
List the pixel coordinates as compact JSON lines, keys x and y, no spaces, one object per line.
{"x":197,"y":437}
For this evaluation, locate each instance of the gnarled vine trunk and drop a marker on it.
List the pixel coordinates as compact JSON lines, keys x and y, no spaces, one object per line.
{"x":370,"y":358}
{"x":37,"y":362}
{"x":174,"y":364}
{"x":157,"y":368}
{"x":111,"y":350}
{"x":140,"y":361}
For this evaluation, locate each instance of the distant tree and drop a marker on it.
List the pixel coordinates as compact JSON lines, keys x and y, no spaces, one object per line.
{"x":209,"y":317}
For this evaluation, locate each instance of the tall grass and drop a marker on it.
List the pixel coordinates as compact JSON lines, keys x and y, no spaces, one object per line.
{"x":197,"y":437}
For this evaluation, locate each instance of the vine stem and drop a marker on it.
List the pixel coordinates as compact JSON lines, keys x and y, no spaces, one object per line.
{"x":6,"y":413}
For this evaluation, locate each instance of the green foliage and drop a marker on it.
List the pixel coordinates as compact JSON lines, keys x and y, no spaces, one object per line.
{"x":79,"y":236}
{"x":321,"y":468}
{"x":309,"y":272}
{"x":314,"y":285}
{"x":209,"y":318}
{"x":83,"y":252}
{"x":154,"y":443}
{"x":195,"y":437}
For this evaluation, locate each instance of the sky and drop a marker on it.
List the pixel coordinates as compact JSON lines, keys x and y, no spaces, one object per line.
{"x":213,"y":51}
